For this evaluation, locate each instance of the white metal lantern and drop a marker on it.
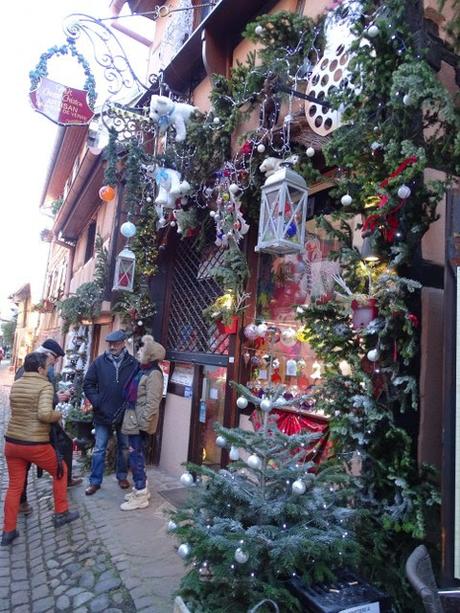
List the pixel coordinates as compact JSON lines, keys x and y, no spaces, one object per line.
{"x":283,"y":213}
{"x":124,"y":270}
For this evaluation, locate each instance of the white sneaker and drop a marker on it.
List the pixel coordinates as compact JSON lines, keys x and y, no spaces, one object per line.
{"x":132,"y":493}
{"x":138,"y":500}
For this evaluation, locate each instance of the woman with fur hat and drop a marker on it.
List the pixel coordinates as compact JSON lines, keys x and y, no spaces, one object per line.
{"x":144,"y":393}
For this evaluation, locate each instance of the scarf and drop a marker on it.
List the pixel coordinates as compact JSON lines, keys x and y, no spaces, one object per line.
{"x":116,"y":360}
{"x":133,"y":384}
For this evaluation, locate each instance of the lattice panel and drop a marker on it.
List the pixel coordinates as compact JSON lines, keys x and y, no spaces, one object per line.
{"x":193,"y":290}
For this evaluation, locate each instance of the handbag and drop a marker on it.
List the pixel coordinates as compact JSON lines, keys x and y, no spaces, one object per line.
{"x":119,"y":413}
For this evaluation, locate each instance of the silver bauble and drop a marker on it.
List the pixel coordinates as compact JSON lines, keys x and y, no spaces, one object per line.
{"x":266,"y":405}
{"x":186,"y":479}
{"x":372,"y":31}
{"x":259,"y":30}
{"x":346,"y":200}
{"x":404,"y":192}
{"x":241,"y":556}
{"x":234,"y":454}
{"x":407,"y":100}
{"x":373,"y":355}
{"x":128,"y":229}
{"x":233,"y":188}
{"x":262,"y":329}
{"x":242,"y":402}
{"x":221,"y":441}
{"x":298,"y":487}
{"x":171,"y":526}
{"x":254,"y":462}
{"x":184,"y":550}
{"x":310,"y":152}
{"x":261,"y":148}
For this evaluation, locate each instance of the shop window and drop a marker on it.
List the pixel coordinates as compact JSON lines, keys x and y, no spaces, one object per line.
{"x":90,"y":241}
{"x":193,"y":289}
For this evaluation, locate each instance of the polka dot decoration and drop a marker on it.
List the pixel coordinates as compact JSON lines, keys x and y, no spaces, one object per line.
{"x":330,"y":74}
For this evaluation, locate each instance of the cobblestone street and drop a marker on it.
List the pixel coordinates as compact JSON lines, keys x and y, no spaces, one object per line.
{"x":107,"y":560}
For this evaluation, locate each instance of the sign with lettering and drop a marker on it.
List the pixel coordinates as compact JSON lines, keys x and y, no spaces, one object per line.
{"x":373,"y":607}
{"x":64,"y":105}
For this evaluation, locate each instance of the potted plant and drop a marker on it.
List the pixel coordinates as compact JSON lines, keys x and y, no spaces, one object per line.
{"x":225,"y":310}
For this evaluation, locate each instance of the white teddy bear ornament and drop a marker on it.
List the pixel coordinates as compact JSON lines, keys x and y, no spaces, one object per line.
{"x":170,"y":187}
{"x":271,"y":164}
{"x":166,"y":112}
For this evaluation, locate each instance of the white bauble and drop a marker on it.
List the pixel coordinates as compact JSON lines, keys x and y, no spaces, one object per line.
{"x":241,"y":556}
{"x":172,"y":224}
{"x":233,"y":188}
{"x":212,"y":213}
{"x":407,"y":100}
{"x":259,"y":30}
{"x":372,"y":31}
{"x":262,"y":329}
{"x":375,"y":146}
{"x":288,"y":337}
{"x":184,"y":550}
{"x":251,"y":332}
{"x":171,"y":526}
{"x":161,"y":221}
{"x":186,"y":479}
{"x":128,"y":229}
{"x":298,"y":487}
{"x":310,"y":152}
{"x":404,"y":191}
{"x":373,"y":355}
{"x":346,"y":200}
{"x":299,"y":310}
{"x":261,"y":148}
{"x":242,"y":402}
{"x":234,"y":453}
{"x":254,"y":462}
{"x":216,"y":121}
{"x":266,"y":405}
{"x":221,"y":441}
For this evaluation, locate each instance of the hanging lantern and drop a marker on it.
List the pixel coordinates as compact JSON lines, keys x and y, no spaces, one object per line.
{"x":283,"y":213}
{"x":124,"y":270}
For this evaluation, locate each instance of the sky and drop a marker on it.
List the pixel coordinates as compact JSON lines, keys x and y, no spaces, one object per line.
{"x":28,"y":137}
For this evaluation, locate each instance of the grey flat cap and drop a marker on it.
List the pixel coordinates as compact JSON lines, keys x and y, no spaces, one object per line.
{"x":116,"y":336}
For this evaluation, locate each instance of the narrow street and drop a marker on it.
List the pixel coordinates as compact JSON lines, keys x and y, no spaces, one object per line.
{"x":107,"y":560}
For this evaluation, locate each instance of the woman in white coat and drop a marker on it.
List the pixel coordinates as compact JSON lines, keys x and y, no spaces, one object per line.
{"x":144,"y":394}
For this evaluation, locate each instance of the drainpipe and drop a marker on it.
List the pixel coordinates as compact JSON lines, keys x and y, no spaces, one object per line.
{"x":116,"y":8}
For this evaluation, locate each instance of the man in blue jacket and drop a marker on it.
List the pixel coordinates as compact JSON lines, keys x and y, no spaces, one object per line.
{"x":103,"y":386}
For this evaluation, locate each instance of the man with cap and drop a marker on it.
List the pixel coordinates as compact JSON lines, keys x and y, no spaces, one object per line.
{"x":54,"y":351}
{"x":103,"y":385}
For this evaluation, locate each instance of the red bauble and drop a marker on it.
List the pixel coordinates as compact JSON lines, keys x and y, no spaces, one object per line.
{"x":107,"y":193}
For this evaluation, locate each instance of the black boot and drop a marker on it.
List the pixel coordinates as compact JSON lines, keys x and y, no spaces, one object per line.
{"x":8,"y":537}
{"x":60,"y":519}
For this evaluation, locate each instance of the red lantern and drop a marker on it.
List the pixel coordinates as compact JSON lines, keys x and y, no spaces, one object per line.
{"x":107,"y":193}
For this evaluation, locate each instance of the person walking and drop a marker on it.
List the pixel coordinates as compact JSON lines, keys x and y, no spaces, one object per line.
{"x":28,"y":441}
{"x":144,"y":393}
{"x":103,"y":386}
{"x":54,"y":351}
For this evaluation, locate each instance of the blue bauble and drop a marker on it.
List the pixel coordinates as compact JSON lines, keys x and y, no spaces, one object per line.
{"x":291,"y":230}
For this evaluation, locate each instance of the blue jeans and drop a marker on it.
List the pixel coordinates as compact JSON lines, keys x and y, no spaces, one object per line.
{"x":137,"y":460}
{"x":103,"y":434}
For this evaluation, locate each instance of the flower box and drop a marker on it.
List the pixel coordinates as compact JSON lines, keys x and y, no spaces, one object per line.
{"x":230,"y":328}
{"x":363,"y":313}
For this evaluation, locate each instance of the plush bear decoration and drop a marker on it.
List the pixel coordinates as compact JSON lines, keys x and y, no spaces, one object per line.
{"x":165,"y":113}
{"x":170,"y":187}
{"x":271,"y":164}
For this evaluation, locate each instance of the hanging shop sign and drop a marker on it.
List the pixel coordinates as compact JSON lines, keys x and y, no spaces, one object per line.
{"x":64,"y":105}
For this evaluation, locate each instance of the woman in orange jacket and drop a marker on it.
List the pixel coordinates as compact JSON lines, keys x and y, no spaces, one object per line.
{"x":28,"y":440}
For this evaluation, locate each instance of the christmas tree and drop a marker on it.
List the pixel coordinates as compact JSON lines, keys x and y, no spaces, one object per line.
{"x":270,"y":516}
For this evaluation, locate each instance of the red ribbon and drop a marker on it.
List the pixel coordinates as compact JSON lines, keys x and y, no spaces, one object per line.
{"x":390,"y":220}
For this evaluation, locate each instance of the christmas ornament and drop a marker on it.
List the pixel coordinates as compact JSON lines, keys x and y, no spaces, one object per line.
{"x":288,"y":337}
{"x":171,"y":526}
{"x":246,"y":357}
{"x":404,"y":192}
{"x":241,"y":556}
{"x":251,"y":332}
{"x":373,"y":355}
{"x":128,"y":229}
{"x":372,"y":31}
{"x":262,"y":330}
{"x":291,"y":368}
{"x":216,"y":121}
{"x":107,"y":193}
{"x":345,"y":368}
{"x":242,"y":402}
{"x":184,"y":550}
{"x":298,"y":487}
{"x":266,"y":405}
{"x":346,"y":200}
{"x":259,"y":30}
{"x":233,"y":188}
{"x":221,"y":441}
{"x":261,"y":148}
{"x":234,"y":453}
{"x":254,"y":462}
{"x":310,"y":152}
{"x":407,"y":100}
{"x":186,"y":479}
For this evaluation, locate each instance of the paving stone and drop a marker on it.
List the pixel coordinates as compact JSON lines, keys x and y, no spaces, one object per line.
{"x":81,"y":610}
{"x":87,"y":580}
{"x":19,"y":598}
{"x":80,"y":599}
{"x":62,"y":603}
{"x":101,"y":603}
{"x":52,"y":563}
{"x":54,"y":583}
{"x":4,"y":593}
{"x":40,"y":592}
{"x":107,"y":584}
{"x":38,"y":579}
{"x":19,"y":585}
{"x":117,"y":597}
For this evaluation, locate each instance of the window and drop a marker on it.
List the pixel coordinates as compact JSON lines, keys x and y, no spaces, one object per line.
{"x":90,"y":241}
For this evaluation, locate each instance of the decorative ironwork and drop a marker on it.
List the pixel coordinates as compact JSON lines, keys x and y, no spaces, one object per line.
{"x":193,"y":289}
